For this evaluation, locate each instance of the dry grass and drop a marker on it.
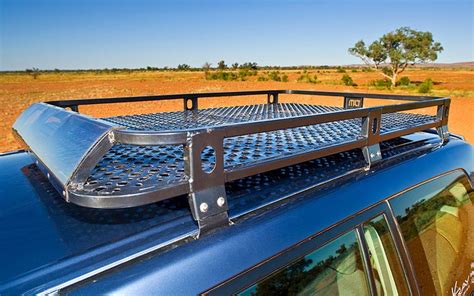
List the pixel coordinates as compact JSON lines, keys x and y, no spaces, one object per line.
{"x":18,"y":91}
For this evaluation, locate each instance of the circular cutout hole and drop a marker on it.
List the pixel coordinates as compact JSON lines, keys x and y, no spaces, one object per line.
{"x":208,"y":159}
{"x":374,"y":126}
{"x":189,"y":104}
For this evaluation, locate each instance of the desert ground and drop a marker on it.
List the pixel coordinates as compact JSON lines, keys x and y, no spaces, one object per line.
{"x":19,"y":90}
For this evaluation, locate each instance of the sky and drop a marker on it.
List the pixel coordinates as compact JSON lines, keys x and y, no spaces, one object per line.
{"x":85,"y":34}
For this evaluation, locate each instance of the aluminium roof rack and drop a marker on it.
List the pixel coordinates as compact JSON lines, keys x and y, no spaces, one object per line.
{"x":132,"y":160}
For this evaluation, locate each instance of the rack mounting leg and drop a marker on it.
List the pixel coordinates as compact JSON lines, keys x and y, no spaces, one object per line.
{"x":207,"y":199}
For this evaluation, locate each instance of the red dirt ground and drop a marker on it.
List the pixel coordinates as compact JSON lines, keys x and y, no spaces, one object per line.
{"x":18,"y":91}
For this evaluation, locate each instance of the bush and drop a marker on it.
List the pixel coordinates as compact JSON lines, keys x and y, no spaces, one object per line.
{"x":340,"y":70}
{"x":247,"y":72}
{"x":347,"y":80}
{"x":381,"y":84}
{"x":404,"y":81}
{"x":353,"y":70}
{"x":425,"y":86}
{"x":275,"y":76}
{"x":221,"y":75}
{"x":305,"y":77}
{"x":229,"y":75}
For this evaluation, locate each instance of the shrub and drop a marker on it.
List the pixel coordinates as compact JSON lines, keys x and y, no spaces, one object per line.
{"x":353,"y":70}
{"x":273,"y":75}
{"x":221,"y":75}
{"x":381,"y":84}
{"x":340,"y":70}
{"x":347,"y":80}
{"x":404,"y":81}
{"x":425,"y":86}
{"x":305,"y":77}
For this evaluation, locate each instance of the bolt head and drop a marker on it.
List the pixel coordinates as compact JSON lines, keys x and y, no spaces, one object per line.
{"x":221,"y":201}
{"x":204,"y":207}
{"x":372,"y":155}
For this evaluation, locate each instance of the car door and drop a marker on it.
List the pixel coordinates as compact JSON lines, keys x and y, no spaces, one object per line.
{"x":419,"y":241}
{"x":356,"y":257}
{"x":436,"y":222}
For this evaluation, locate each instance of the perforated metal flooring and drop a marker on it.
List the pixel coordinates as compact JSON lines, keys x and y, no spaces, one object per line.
{"x":147,"y":168}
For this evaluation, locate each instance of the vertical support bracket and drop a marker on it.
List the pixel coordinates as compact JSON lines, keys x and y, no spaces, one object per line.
{"x":272,"y":98}
{"x":75,"y":108}
{"x":190,"y":103}
{"x":442,"y":116}
{"x":371,"y":131}
{"x":207,"y":197}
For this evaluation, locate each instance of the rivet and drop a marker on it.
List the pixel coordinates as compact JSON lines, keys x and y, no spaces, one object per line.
{"x":204,"y":207}
{"x":47,"y":175}
{"x":220,"y":201}
{"x":372,"y":155}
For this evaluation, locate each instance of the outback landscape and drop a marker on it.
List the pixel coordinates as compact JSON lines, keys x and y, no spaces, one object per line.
{"x":20,"y":89}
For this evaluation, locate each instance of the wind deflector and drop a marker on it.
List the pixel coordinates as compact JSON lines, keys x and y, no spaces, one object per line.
{"x":60,"y":140}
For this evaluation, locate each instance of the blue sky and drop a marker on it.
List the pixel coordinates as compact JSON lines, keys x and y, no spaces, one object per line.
{"x":75,"y":34}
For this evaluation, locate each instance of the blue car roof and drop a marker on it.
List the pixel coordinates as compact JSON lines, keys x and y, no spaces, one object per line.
{"x":48,"y":242}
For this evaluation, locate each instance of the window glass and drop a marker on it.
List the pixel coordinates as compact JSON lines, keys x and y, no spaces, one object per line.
{"x":388,"y":274}
{"x":335,"y":268}
{"x":437,"y":223}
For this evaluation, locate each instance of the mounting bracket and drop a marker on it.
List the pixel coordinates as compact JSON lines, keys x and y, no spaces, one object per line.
{"x":371,"y":131}
{"x":207,"y":197}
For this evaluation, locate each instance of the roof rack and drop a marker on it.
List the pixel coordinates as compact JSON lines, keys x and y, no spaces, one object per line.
{"x":127,"y":161}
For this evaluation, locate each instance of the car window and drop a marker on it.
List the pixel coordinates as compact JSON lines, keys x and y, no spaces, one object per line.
{"x":437,"y":223}
{"x":386,"y":267}
{"x":336,"y":268}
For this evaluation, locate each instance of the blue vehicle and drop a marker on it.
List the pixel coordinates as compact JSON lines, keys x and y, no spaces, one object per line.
{"x":280,"y":198}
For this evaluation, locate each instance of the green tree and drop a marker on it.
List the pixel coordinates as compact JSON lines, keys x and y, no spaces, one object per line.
{"x":184,"y":67}
{"x":249,"y":65}
{"x":221,"y":65}
{"x":394,"y":51}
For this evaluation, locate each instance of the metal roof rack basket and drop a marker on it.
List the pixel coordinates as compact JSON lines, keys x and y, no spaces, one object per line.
{"x":132,"y":160}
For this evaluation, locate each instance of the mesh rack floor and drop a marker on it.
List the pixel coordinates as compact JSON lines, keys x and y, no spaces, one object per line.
{"x":146,"y":168}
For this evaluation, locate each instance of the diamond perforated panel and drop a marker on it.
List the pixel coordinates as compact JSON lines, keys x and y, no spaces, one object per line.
{"x":128,"y":168}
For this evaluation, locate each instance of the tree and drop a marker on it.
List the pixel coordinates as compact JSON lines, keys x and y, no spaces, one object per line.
{"x":35,"y":72}
{"x":206,"y":67}
{"x":184,"y":67}
{"x":221,"y":65}
{"x":249,"y":65}
{"x":394,"y":51}
{"x":235,"y":66}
